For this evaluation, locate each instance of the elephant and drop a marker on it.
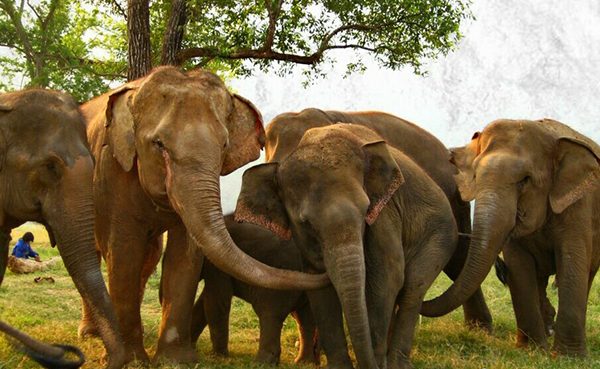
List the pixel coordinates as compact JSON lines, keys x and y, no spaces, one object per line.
{"x":536,"y":185}
{"x":370,"y":217}
{"x":271,"y":306}
{"x":282,"y":136}
{"x":46,"y":174}
{"x":160,"y":144}
{"x":285,"y":131}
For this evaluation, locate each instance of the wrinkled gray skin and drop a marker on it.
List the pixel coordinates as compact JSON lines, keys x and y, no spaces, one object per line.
{"x":371,"y":218}
{"x":271,"y":306}
{"x":161,"y":144}
{"x":283,"y":134}
{"x":536,"y":186}
{"x":46,"y":176}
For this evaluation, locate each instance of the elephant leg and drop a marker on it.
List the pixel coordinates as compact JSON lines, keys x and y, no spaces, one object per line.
{"x":524,"y":291}
{"x":269,"y":346}
{"x":420,"y":272}
{"x":548,"y":311}
{"x":475,"y":309}
{"x":199,"y":321}
{"x":573,"y":262}
{"x":87,"y":327}
{"x":4,"y":246}
{"x":127,"y":254}
{"x":309,"y":350}
{"x":218,"y":291}
{"x":182,"y":265}
{"x":327,"y":311}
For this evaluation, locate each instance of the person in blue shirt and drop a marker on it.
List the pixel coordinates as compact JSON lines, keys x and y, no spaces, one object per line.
{"x":23,"y":249}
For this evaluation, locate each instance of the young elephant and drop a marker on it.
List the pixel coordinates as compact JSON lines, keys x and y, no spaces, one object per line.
{"x":537,"y":191}
{"x":46,"y":174}
{"x":271,"y":306}
{"x":371,"y":218}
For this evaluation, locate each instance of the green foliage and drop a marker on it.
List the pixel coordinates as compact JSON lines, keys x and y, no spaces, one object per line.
{"x":81,"y":46}
{"x":396,"y":33}
{"x":62,"y":45}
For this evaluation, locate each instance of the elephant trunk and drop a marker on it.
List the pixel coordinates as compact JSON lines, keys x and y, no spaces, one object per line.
{"x":346,"y":267}
{"x":195,"y":195}
{"x":494,"y":219}
{"x":69,"y":212}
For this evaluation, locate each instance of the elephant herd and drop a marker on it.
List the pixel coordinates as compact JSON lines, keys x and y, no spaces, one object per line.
{"x":347,"y":224}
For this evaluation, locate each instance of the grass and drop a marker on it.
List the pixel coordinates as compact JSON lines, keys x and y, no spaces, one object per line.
{"x":51,"y":313}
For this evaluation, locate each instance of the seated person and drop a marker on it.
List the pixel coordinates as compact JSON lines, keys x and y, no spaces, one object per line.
{"x":23,"y":249}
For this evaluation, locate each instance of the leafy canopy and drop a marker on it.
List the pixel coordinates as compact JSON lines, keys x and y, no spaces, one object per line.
{"x":60,"y":44}
{"x":84,"y":45}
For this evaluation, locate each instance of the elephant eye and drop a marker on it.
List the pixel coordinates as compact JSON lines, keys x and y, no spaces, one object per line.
{"x":523,"y":182}
{"x":158,"y":143}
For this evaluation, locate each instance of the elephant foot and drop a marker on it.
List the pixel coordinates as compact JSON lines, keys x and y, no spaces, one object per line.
{"x":577,"y":350}
{"x":476,"y":313}
{"x":176,"y":354}
{"x":87,"y":329}
{"x":399,"y":362}
{"x":311,"y":358}
{"x":268,"y":357}
{"x":525,"y":341}
{"x":339,"y":364}
{"x":117,"y":360}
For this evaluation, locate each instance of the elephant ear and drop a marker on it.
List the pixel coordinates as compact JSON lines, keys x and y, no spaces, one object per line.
{"x":382,"y":178}
{"x":577,"y":172}
{"x":259,"y":202}
{"x":246,"y":135}
{"x":462,"y":158}
{"x":119,"y":125}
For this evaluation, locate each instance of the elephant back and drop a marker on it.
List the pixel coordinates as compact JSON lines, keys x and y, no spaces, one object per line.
{"x":559,"y":130}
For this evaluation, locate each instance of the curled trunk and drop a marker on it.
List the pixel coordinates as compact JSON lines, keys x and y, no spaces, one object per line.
{"x":494,"y":219}
{"x":195,"y":195}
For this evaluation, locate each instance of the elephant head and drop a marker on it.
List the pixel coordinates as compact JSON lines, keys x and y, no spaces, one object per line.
{"x":182,"y":131}
{"x":519,"y":173}
{"x":46,"y":172}
{"x":324,"y":194}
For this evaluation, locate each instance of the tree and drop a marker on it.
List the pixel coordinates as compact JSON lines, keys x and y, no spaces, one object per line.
{"x":52,"y":44}
{"x":82,"y":46}
{"x":246,"y":34}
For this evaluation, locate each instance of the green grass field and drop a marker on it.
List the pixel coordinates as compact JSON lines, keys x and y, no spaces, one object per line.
{"x":51,"y":312}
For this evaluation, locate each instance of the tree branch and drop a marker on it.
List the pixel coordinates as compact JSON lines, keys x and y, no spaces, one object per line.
{"x":19,"y":29}
{"x":200,"y":52}
{"x":119,"y":8}
{"x":273,"y":16}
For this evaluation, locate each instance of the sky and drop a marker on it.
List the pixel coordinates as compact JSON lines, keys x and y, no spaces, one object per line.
{"x":518,"y":59}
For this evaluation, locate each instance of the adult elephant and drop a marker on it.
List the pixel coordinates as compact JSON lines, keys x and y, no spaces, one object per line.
{"x":160,"y":144}
{"x":369,"y":216}
{"x":537,"y":190}
{"x":285,"y":131}
{"x":272,"y":307}
{"x":46,"y":176}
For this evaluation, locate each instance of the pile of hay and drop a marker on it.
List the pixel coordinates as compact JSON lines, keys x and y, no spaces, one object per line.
{"x":22,"y":266}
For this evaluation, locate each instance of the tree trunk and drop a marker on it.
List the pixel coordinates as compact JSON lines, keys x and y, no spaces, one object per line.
{"x":173,"y":36}
{"x":139,"y":60}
